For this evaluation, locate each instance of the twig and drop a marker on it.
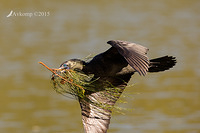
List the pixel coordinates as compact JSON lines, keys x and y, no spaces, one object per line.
{"x":53,"y":71}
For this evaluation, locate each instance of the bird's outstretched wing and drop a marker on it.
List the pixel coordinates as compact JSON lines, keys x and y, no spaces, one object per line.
{"x":114,"y":67}
{"x":95,"y":119}
{"x":97,"y":108}
{"x":134,"y":54}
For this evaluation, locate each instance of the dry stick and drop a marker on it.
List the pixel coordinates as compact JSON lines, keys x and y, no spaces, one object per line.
{"x":53,"y":71}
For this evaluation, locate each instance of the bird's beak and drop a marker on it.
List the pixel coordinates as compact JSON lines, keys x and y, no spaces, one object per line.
{"x":58,"y":71}
{"x":61,"y":69}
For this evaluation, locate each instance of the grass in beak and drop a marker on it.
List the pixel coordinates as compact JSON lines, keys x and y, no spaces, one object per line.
{"x":80,"y":86}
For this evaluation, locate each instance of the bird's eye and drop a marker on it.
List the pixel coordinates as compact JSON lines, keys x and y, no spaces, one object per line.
{"x":65,"y":66}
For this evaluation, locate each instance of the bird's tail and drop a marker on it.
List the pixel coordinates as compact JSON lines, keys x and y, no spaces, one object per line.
{"x":162,"y":63}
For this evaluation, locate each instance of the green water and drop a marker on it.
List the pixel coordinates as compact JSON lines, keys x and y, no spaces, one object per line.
{"x":165,"y":102}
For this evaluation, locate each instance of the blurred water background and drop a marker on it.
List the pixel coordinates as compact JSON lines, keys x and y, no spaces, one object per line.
{"x":167,"y":102}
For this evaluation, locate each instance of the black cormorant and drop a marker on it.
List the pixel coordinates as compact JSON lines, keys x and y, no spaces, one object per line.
{"x":115,"y":67}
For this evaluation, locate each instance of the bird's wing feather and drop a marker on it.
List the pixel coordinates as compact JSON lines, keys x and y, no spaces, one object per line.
{"x":134,"y":54}
{"x":96,"y":119}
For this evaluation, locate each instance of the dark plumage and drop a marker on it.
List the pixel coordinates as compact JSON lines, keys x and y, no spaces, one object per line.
{"x":113,"y":68}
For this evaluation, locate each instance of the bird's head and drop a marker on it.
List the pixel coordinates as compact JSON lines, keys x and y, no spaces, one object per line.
{"x":74,"y":64}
